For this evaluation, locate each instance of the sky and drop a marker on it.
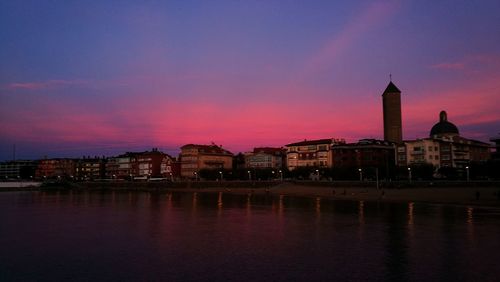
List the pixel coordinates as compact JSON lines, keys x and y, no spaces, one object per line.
{"x":105,"y":77}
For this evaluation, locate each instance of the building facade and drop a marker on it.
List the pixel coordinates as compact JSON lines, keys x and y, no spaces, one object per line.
{"x":265,"y":157}
{"x":365,"y":153}
{"x":495,"y":154}
{"x":139,"y":165}
{"x":21,"y":169}
{"x":149,"y":164}
{"x":419,"y":151}
{"x":59,"y":167}
{"x":90,"y":168}
{"x":167,"y":167}
{"x":121,"y":167}
{"x":311,"y":153}
{"x":196,"y":157}
{"x":444,"y":148}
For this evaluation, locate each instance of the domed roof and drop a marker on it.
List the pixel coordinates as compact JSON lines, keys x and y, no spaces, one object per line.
{"x":444,"y":127}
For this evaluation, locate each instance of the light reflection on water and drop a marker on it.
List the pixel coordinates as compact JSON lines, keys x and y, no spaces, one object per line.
{"x":199,"y":236}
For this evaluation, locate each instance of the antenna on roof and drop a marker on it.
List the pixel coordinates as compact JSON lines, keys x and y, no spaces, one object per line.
{"x":390,"y":77}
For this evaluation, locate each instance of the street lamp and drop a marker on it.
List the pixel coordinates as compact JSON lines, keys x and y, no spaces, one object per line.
{"x":196,"y":176}
{"x":468,"y":175}
{"x":360,"y":174}
{"x":249,"y":176}
{"x":409,"y":174}
{"x":281,"y":175}
{"x":317,"y":174}
{"x":221,"y":176}
{"x":171,"y":177}
{"x":273,"y":175}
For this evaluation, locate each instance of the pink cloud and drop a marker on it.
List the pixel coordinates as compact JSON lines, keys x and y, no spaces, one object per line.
{"x":49,"y":84}
{"x":372,"y":16}
{"x":467,"y":105}
{"x":449,"y":66}
{"x":281,"y":113}
{"x":480,"y":62}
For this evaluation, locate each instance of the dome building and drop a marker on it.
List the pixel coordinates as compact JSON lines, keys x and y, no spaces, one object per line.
{"x":444,"y":127}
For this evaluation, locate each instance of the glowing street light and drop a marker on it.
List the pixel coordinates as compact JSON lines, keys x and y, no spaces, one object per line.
{"x":317,"y":174}
{"x":360,"y":174}
{"x":221,"y":175}
{"x":196,"y":176}
{"x":249,"y":175}
{"x":409,"y":174}
{"x":468,"y":175}
{"x":281,"y":175}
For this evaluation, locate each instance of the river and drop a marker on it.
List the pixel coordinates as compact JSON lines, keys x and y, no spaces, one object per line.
{"x":134,"y":236}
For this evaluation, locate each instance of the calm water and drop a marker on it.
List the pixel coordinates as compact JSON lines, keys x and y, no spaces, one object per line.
{"x":222,"y":237}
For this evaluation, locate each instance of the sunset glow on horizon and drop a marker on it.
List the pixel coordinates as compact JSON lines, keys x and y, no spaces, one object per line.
{"x":98,"y":78}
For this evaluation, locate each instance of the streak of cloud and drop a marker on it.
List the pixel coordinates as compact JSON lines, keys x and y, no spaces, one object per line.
{"x":366,"y":20}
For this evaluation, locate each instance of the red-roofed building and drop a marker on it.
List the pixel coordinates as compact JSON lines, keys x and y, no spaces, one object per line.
{"x":311,"y":153}
{"x":365,"y":153}
{"x":140,"y":165}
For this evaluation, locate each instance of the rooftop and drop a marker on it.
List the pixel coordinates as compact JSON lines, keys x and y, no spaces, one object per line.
{"x":317,"y":142}
{"x":444,"y":127}
{"x":208,"y":149}
{"x":391,"y":88}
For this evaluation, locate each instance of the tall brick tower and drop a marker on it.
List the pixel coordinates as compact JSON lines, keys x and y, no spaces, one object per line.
{"x":391,"y":99}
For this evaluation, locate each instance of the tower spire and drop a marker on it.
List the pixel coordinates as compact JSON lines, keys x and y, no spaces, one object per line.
{"x":390,"y":77}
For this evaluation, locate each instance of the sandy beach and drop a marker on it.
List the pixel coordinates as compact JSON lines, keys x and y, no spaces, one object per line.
{"x":473,"y":196}
{"x":488,"y":196}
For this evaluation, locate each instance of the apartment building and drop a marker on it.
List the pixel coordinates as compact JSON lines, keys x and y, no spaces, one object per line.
{"x":311,"y":153}
{"x":365,"y":153}
{"x":196,"y":157}
{"x":444,"y":148}
{"x":266,"y":157}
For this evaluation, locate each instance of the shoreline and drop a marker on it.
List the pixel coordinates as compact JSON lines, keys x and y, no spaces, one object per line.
{"x":447,"y":196}
{"x":464,"y":196}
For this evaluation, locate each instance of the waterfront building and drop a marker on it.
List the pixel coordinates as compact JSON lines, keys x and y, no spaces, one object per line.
{"x":391,"y":101}
{"x":196,"y":157}
{"x":265,"y":157}
{"x":370,"y":153}
{"x":443,"y":148}
{"x":418,"y":152}
{"x":88,"y":168}
{"x":122,"y":166}
{"x":139,"y":165}
{"x":495,"y":154}
{"x":24,"y":169}
{"x":58,"y":167}
{"x":149,"y":164}
{"x":311,"y":153}
{"x":167,"y":169}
